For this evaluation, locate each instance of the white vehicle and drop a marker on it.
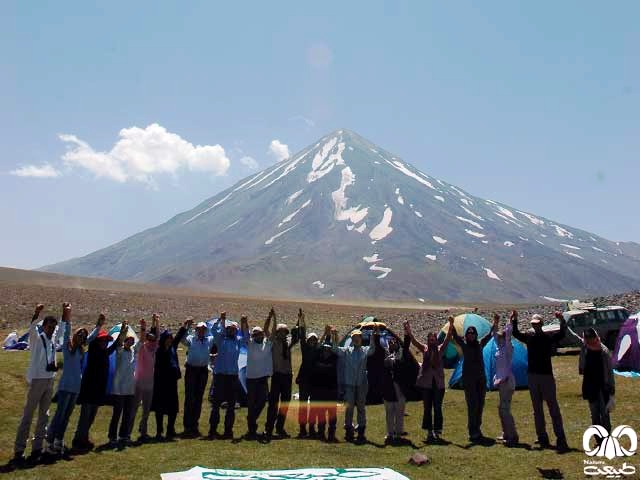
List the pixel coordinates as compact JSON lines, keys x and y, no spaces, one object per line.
{"x":580,"y":316}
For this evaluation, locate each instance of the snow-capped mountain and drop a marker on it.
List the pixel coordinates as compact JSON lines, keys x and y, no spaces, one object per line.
{"x":344,"y":218}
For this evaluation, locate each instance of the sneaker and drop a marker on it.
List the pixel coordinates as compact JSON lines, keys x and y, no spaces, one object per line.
{"x":113,"y":443}
{"x":543,"y":443}
{"x":282,"y":433}
{"x":158,"y":437}
{"x":389,"y":440}
{"x":500,"y":438}
{"x":431,"y":437}
{"x":144,"y":438}
{"x":35,"y":457}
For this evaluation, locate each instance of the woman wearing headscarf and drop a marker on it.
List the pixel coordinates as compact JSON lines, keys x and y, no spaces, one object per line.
{"x":474,"y":380}
{"x":431,"y":379}
{"x":93,"y":389}
{"x":166,"y":374}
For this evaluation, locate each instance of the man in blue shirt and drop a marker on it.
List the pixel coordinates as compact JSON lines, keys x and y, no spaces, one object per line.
{"x":225,"y":374}
{"x":196,"y":375}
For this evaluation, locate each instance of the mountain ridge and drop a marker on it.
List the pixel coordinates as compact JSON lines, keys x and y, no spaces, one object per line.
{"x":345,"y":218}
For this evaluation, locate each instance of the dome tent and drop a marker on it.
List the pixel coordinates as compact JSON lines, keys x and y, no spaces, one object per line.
{"x":519,"y":366}
{"x":626,"y":355}
{"x":375,"y":362}
{"x":452,"y":353}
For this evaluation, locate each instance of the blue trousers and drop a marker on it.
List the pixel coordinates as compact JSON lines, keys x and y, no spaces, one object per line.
{"x":58,"y":426}
{"x":355,"y":396}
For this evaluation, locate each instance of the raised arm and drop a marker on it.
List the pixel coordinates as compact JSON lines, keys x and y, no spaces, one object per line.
{"x":409,"y":333}
{"x":457,"y":338}
{"x":96,"y":330}
{"x":376,"y":342}
{"x":443,"y":346}
{"x":33,"y":326}
{"x":182,"y":336}
{"x":267,"y":323}
{"x":517,"y":334}
{"x":492,"y":332}
{"x":244,"y":327}
{"x":339,"y":351}
{"x":560,"y":334}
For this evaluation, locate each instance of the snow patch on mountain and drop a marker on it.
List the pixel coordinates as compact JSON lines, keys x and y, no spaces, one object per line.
{"x":492,"y":275}
{"x":418,"y":214}
{"x":342,"y":213}
{"x":321,"y":164}
{"x":206,"y":210}
{"x":562,"y":232}
{"x":572,"y":247}
{"x":293,"y":196}
{"x":288,"y":218}
{"x":384,"y":228}
{"x":532,"y":219}
{"x":431,"y":257}
{"x":439,"y":240}
{"x":278,"y":235}
{"x":474,"y":234}
{"x":509,"y":244}
{"x":470,"y":222}
{"x":574,"y":255}
{"x":469,"y":212}
{"x":439,"y":198}
{"x":372,"y":259}
{"x":401,"y":167}
{"x":318,"y":284}
{"x":376,"y":268}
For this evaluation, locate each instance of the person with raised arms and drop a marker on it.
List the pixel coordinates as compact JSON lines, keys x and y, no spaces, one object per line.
{"x":431,"y":379}
{"x":144,"y":374}
{"x":196,"y":375}
{"x":40,"y":376}
{"x":225,"y":374}
{"x":474,"y":380}
{"x":123,"y":387}
{"x":259,"y":369}
{"x":69,"y":386}
{"x":166,"y":373}
{"x":504,"y":380}
{"x":93,"y":387}
{"x":542,"y":384}
{"x":355,"y":380}
{"x":324,"y":389}
{"x":310,"y":349}
{"x":281,"y":379}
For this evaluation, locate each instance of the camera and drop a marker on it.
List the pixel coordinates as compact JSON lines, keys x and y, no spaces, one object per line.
{"x":52,"y":367}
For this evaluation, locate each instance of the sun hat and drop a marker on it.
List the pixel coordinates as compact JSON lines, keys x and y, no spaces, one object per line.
{"x":537,"y":318}
{"x":312,"y":335}
{"x":201,"y":325}
{"x":256,"y":329}
{"x":356,"y":332}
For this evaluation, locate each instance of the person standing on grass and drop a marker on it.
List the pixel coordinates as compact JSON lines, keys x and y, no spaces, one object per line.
{"x":166,"y":374}
{"x":40,"y":376}
{"x":123,"y":388}
{"x":431,"y":379}
{"x":310,"y":350}
{"x":259,"y":369}
{"x":505,"y":381}
{"x":281,"y":379}
{"x":196,"y":375}
{"x":93,"y":387}
{"x":324,"y":389}
{"x":69,"y":385}
{"x":225,"y":374}
{"x":144,"y":374}
{"x":355,"y":379}
{"x":542,"y":384}
{"x":395,"y":388}
{"x":474,"y":380}
{"x":598,"y":380}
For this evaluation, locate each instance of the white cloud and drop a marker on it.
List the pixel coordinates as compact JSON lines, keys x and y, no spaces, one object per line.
{"x":319,"y":56}
{"x":42,"y":171}
{"x":249,"y":162}
{"x":140,"y":153}
{"x":278,"y":150}
{"x":307,"y":121}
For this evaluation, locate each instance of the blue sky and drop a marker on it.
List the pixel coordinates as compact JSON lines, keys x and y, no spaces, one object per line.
{"x":534,"y":104}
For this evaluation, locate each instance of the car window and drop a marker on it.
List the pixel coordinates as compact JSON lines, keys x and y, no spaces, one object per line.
{"x":623,"y":315}
{"x":583,"y":320}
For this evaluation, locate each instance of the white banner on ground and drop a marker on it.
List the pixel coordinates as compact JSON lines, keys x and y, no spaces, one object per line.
{"x":199,"y":473}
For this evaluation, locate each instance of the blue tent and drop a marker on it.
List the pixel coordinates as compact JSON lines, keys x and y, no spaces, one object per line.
{"x":519,"y":365}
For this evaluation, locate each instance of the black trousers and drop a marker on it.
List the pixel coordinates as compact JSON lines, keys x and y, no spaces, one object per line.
{"x":122,"y":407}
{"x":432,"y":403}
{"x":257,"y":393}
{"x":195,"y":383}
{"x":279,"y":399}
{"x":224,"y":390}
{"x":474,"y":393}
{"x":303,"y":404}
{"x":171,"y":423}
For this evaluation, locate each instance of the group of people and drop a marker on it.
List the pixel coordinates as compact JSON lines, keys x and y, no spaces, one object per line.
{"x":147,"y":370}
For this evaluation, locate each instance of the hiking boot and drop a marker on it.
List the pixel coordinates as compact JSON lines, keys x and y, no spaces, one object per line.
{"x":389,"y":440}
{"x":543,"y":442}
{"x":18,"y":460}
{"x":35,"y":457}
{"x":282,"y":433}
{"x":144,"y":438}
{"x":251,"y":436}
{"x":431,"y":437}
{"x":303,"y":431}
{"x":500,"y":438}
{"x":361,"y":436}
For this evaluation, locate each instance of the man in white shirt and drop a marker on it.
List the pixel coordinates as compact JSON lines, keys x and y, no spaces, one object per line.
{"x":259,"y":369}
{"x":40,"y":376}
